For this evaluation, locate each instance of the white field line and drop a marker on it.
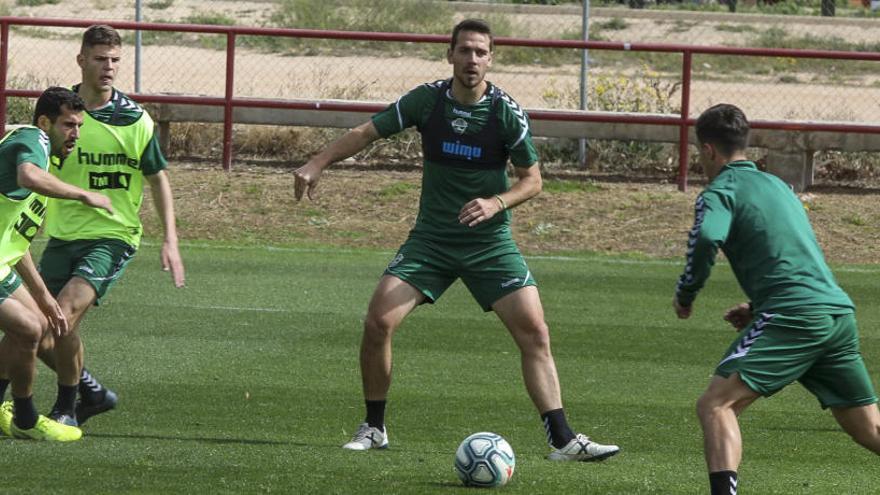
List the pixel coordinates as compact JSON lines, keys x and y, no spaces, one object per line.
{"x":575,"y":259}
{"x":230,"y":308}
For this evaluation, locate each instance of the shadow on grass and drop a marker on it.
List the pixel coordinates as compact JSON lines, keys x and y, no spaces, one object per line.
{"x":220,"y":441}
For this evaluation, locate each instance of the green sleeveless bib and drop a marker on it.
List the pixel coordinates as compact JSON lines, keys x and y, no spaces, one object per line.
{"x":106,"y":160}
{"x":20,"y":219}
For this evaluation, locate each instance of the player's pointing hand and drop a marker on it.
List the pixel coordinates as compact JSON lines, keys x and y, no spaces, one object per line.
{"x":306,"y":179}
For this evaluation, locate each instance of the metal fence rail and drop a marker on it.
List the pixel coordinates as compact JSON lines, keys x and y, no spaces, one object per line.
{"x":229,"y":101}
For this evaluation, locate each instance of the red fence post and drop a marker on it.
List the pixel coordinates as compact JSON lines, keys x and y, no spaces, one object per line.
{"x":683,"y":128}
{"x":4,"y":58}
{"x":227,"y":110}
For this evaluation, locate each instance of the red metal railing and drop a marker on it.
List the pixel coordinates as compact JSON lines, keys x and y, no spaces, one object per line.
{"x":229,"y":101}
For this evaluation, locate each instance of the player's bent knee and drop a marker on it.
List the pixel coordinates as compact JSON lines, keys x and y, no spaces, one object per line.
{"x":535,"y":337}
{"x":708,"y":405}
{"x":43,"y":324}
{"x":875,"y":441}
{"x":378,"y":328}
{"x":73,"y":311}
{"x":70,"y":338}
{"x":47,"y":343}
{"x":868,"y":438}
{"x":28,"y":333}
{"x":541,"y":334}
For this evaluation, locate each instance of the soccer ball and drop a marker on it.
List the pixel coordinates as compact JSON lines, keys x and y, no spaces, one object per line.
{"x":484,"y":459}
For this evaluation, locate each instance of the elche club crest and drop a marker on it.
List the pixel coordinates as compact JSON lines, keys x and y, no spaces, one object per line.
{"x":459,"y":125}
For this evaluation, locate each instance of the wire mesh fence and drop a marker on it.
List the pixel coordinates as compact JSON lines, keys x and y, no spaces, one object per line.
{"x":270,"y":67}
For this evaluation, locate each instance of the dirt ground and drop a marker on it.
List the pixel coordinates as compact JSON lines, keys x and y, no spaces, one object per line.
{"x":367,"y":206}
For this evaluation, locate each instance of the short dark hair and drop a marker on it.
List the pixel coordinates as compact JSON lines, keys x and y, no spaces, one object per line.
{"x":724,"y":126}
{"x":100,"y":34}
{"x":475,"y":25}
{"x":50,"y":102}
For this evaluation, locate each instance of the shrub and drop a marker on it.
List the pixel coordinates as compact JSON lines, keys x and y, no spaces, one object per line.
{"x":21,"y":110}
{"x":643,"y":92}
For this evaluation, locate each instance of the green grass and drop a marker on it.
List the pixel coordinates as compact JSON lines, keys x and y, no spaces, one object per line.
{"x":35,"y":3}
{"x":247,"y":381}
{"x":735,"y":28}
{"x":19,"y":111}
{"x":212,"y":18}
{"x":613,"y":24}
{"x":397,"y":189}
{"x":562,"y":186}
{"x":160,"y":4}
{"x":855,"y":219}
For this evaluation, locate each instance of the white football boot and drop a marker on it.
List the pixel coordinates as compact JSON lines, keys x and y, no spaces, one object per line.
{"x":368,"y":437}
{"x":581,"y":448}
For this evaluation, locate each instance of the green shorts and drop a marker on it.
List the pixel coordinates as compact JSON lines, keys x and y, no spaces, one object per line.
{"x":99,"y":261}
{"x":820,"y":351}
{"x":490,"y":271}
{"x":10,"y":283}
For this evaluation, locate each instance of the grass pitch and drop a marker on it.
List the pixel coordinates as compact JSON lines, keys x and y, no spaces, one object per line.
{"x":247,"y":381}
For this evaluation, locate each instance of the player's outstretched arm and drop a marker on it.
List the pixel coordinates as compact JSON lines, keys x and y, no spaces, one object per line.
{"x":38,"y":180}
{"x":37,"y":288}
{"x":306,"y":177}
{"x":527,"y":186}
{"x":160,"y":186}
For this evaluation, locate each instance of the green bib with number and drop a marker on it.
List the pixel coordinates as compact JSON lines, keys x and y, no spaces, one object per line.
{"x":20,"y":219}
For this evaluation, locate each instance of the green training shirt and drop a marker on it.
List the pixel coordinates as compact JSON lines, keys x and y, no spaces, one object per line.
{"x":116,"y":149}
{"x":447,"y":186}
{"x":762,"y":228}
{"x":21,"y":210}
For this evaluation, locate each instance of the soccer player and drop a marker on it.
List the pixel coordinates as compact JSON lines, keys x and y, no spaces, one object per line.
{"x":469,"y":129}
{"x":26,"y":313}
{"x":88,"y":250}
{"x":799,"y":324}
